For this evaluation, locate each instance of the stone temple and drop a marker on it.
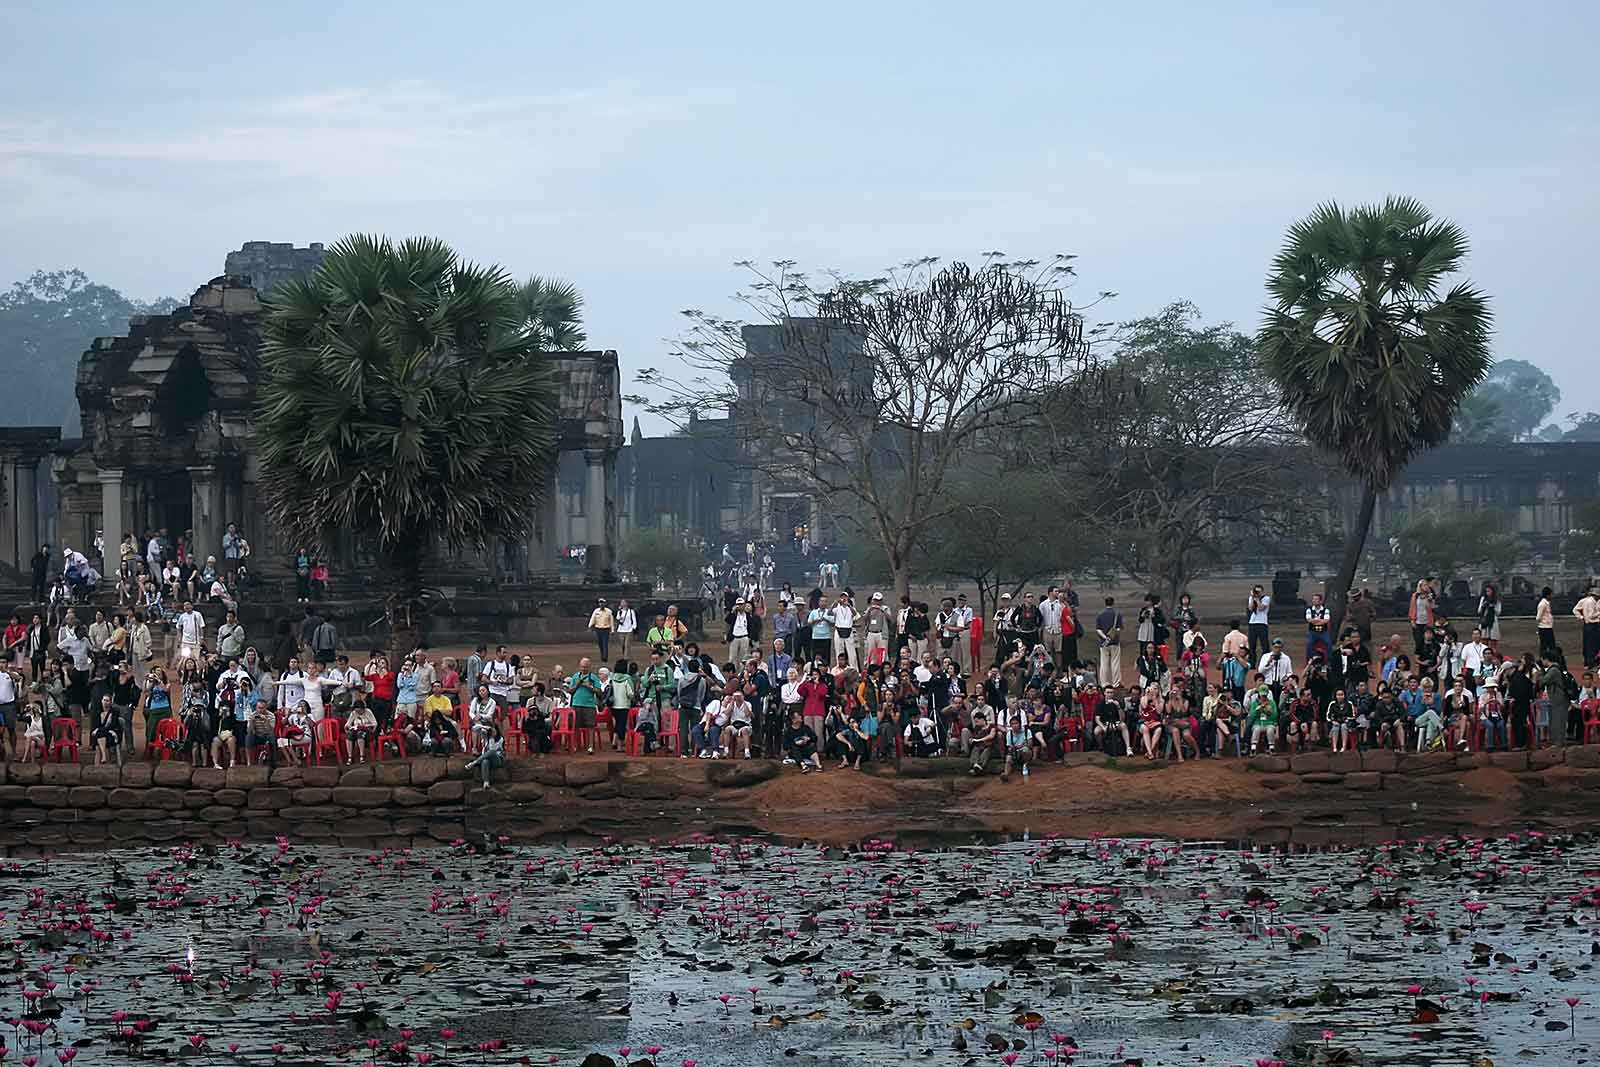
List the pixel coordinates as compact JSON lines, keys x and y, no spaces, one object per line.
{"x":168,"y":416}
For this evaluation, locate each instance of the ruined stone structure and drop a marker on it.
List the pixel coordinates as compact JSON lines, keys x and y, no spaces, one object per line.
{"x":168,"y":414}
{"x":22,"y":448}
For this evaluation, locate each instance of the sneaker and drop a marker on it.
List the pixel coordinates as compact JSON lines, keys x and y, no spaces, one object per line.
{"x":1024,"y":771}
{"x":805,"y":768}
{"x":787,"y":762}
{"x":704,"y":754}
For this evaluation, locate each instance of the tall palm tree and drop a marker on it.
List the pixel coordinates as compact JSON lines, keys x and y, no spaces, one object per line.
{"x":404,"y":400}
{"x":1368,"y":356}
{"x":554,"y":312}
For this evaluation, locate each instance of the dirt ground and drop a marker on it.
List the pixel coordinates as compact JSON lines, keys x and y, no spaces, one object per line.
{"x":1519,"y":637}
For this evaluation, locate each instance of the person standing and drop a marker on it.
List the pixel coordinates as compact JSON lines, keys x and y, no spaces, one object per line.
{"x":1051,"y":611}
{"x":878,"y":626}
{"x":627,"y":621}
{"x":602,"y":622}
{"x":1420,"y":612}
{"x":41,"y":570}
{"x":191,"y":632}
{"x":1318,"y":639}
{"x":1259,"y":609}
{"x":1361,"y":614}
{"x":1588,"y":610}
{"x":844,"y":624}
{"x":1544,"y":621}
{"x":1108,"y":629}
{"x":1002,"y":628}
{"x":744,"y":631}
{"x":586,"y":689}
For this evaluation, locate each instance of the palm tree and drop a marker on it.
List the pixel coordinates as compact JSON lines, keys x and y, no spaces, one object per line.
{"x":405,"y":401}
{"x":553,"y":310}
{"x":1368,"y":356}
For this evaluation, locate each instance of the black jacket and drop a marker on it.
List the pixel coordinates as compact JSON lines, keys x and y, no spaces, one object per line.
{"x":752,"y":624}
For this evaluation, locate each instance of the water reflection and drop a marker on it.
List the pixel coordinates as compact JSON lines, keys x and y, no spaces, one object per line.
{"x":947,"y":946}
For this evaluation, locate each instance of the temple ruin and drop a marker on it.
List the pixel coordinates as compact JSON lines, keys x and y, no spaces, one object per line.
{"x":168,"y":414}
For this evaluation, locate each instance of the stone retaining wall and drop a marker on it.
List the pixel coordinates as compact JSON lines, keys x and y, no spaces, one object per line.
{"x":1377,"y":768}
{"x":65,"y":803}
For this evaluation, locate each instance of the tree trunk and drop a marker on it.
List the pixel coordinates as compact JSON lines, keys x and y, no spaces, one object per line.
{"x":1338,"y":597}
{"x":404,"y":603}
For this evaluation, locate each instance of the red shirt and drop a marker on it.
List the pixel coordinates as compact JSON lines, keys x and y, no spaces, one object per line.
{"x":383,"y":685}
{"x":815,"y":694}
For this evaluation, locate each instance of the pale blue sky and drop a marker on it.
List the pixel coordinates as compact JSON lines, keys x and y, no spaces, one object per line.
{"x":640,"y":149}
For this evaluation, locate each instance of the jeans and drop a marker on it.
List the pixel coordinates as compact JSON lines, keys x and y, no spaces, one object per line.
{"x":602,"y":639}
{"x":703,"y":741}
{"x":1494,"y":734}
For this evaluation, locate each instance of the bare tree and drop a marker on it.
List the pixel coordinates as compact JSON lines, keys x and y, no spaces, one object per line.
{"x":866,"y":391}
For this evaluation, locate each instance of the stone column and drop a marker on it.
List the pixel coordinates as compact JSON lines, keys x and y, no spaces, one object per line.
{"x":543,"y":561}
{"x":207,"y":531}
{"x":27,"y":509}
{"x":111,"y":513}
{"x":598,"y":560}
{"x":10,"y":551}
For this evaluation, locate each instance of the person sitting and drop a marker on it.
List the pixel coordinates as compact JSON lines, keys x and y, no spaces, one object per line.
{"x":1341,"y":715}
{"x":259,"y":737}
{"x":800,"y":744}
{"x":984,"y":737}
{"x":1303,"y":729}
{"x":922,"y":733}
{"x":360,"y":727}
{"x":1018,"y":744}
{"x":1177,"y":726}
{"x":1150,"y":720}
{"x":106,"y":733}
{"x":441,"y":738}
{"x":1262,"y":715}
{"x":491,"y":755}
{"x":295,"y":732}
{"x":707,"y":734}
{"x":737,"y":733}
{"x":1491,"y":714}
{"x":481,"y":712}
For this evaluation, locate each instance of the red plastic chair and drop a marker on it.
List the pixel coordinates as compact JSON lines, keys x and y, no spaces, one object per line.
{"x":63,"y":736}
{"x":1073,"y":729}
{"x":168,"y":729}
{"x":564,"y":729}
{"x":602,"y":726}
{"x":667,"y":736}
{"x":516,"y":740}
{"x":396,"y":737}
{"x":330,"y":737}
{"x":1591,"y":725}
{"x":632,"y":743}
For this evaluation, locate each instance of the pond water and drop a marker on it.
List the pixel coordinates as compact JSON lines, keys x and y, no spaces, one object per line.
{"x":754,"y":951}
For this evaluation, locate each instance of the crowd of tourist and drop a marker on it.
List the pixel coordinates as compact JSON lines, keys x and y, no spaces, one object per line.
{"x":821,"y":681}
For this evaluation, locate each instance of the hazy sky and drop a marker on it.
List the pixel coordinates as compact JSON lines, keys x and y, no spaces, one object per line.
{"x":640,"y":149}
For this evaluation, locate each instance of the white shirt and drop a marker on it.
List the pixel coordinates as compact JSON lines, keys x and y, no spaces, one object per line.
{"x":342,"y":681}
{"x":291,"y":689}
{"x":8,"y":688}
{"x":741,"y":624}
{"x":1472,"y":656}
{"x":627,"y":621}
{"x":844,"y":617}
{"x":191,"y":629}
{"x":1051,"y":610}
{"x":500,"y":677}
{"x":1276,"y":667}
{"x":1259,"y":618}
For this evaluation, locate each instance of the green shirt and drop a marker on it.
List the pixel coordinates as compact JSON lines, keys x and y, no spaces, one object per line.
{"x":584,"y":695}
{"x":1263,"y":712}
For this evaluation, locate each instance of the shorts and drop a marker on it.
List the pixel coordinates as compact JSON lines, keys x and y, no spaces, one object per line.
{"x":583,"y":718}
{"x":8,"y":713}
{"x":224,"y":735}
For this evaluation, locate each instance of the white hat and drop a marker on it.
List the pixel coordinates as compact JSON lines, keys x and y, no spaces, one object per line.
{"x":877,"y":596}
{"x":1005,"y":596}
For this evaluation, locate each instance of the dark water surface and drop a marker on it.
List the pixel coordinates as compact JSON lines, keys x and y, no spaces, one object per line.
{"x":735,"y":952}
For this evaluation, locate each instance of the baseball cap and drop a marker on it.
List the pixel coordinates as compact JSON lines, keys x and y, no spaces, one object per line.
{"x":877,"y":596}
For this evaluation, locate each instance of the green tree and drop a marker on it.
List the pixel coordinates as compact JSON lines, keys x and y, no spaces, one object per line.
{"x":660,"y":558}
{"x":1450,"y":543}
{"x":46,"y":323}
{"x":1581,"y":548}
{"x":1369,"y":356}
{"x":404,"y":400}
{"x":1510,"y":405}
{"x":553,"y":310}
{"x":1583,"y":426}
